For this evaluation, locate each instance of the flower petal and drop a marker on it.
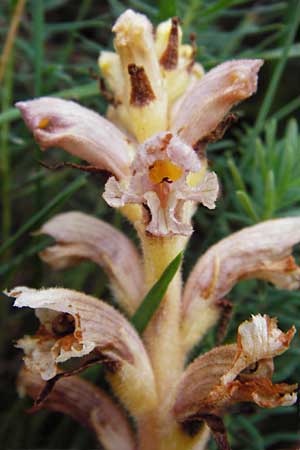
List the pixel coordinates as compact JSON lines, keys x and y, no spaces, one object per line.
{"x":96,"y":327}
{"x":85,"y":403}
{"x":259,"y":338}
{"x":213,"y":96}
{"x":79,"y":236}
{"x":144,"y":95}
{"x":227,"y":374}
{"x":79,"y":131}
{"x":261,"y":251}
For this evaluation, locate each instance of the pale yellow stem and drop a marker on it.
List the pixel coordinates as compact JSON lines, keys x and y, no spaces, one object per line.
{"x":162,"y":336}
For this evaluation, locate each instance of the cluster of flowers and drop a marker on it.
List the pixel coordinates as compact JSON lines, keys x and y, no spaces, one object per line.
{"x":163,"y":112}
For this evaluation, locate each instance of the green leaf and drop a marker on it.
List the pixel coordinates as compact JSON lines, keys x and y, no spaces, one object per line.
{"x":153,"y":298}
{"x":291,"y":28}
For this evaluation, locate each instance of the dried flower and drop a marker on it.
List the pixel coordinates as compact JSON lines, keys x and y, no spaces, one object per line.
{"x":163,"y":113}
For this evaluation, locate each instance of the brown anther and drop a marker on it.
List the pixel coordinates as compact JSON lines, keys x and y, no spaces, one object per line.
{"x":141,"y":90}
{"x":169,"y":58}
{"x":63,"y":324}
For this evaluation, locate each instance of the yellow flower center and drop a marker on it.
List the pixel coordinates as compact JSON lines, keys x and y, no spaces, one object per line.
{"x":164,"y":170}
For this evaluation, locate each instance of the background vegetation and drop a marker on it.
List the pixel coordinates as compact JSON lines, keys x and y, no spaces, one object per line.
{"x":55,"y":51}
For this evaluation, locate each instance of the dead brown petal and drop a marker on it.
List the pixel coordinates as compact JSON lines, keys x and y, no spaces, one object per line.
{"x":213,"y":96}
{"x":258,"y":338}
{"x":78,"y":130}
{"x":261,"y":251}
{"x":80,"y":236}
{"x":87,"y":404}
{"x":97,"y":327}
{"x":202,"y":391}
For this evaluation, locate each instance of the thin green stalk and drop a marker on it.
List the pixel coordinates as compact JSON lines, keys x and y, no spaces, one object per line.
{"x":287,"y":109}
{"x":68,"y":47}
{"x":5,"y":151}
{"x":38,"y":43}
{"x":38,"y":46}
{"x":58,"y":200}
{"x":267,"y":103}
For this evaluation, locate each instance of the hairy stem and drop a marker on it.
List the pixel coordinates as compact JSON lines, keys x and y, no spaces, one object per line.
{"x":162,"y":336}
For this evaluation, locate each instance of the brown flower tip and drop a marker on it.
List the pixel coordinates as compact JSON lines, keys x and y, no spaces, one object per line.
{"x":169,"y":58}
{"x":141,"y":90}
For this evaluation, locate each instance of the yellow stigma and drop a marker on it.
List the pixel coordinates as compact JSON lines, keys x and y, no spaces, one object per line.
{"x":164,"y":170}
{"x":43,"y":123}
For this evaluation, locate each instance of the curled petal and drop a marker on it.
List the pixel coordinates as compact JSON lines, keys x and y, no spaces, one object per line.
{"x":261,"y":251}
{"x":87,"y":404}
{"x":79,"y":236}
{"x":264,"y":393}
{"x":73,"y":325}
{"x":79,"y":131}
{"x":213,"y":96}
{"x":259,"y":338}
{"x":144,"y":94}
{"x":205,"y":192}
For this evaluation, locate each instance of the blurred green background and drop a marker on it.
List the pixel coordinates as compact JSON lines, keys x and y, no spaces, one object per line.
{"x":55,"y":51}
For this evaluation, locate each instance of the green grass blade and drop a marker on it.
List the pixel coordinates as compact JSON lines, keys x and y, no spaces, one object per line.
{"x":237,"y":178}
{"x":267,"y":103}
{"x":152,"y":300}
{"x":59,"y":200}
{"x":38,"y":44}
{"x":270,"y":196}
{"x":247,"y":205}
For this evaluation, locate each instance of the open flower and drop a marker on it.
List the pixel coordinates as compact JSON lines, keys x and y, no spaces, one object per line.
{"x":163,"y":112}
{"x":155,"y":150}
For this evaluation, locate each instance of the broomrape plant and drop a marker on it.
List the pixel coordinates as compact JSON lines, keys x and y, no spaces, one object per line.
{"x":163,"y":112}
